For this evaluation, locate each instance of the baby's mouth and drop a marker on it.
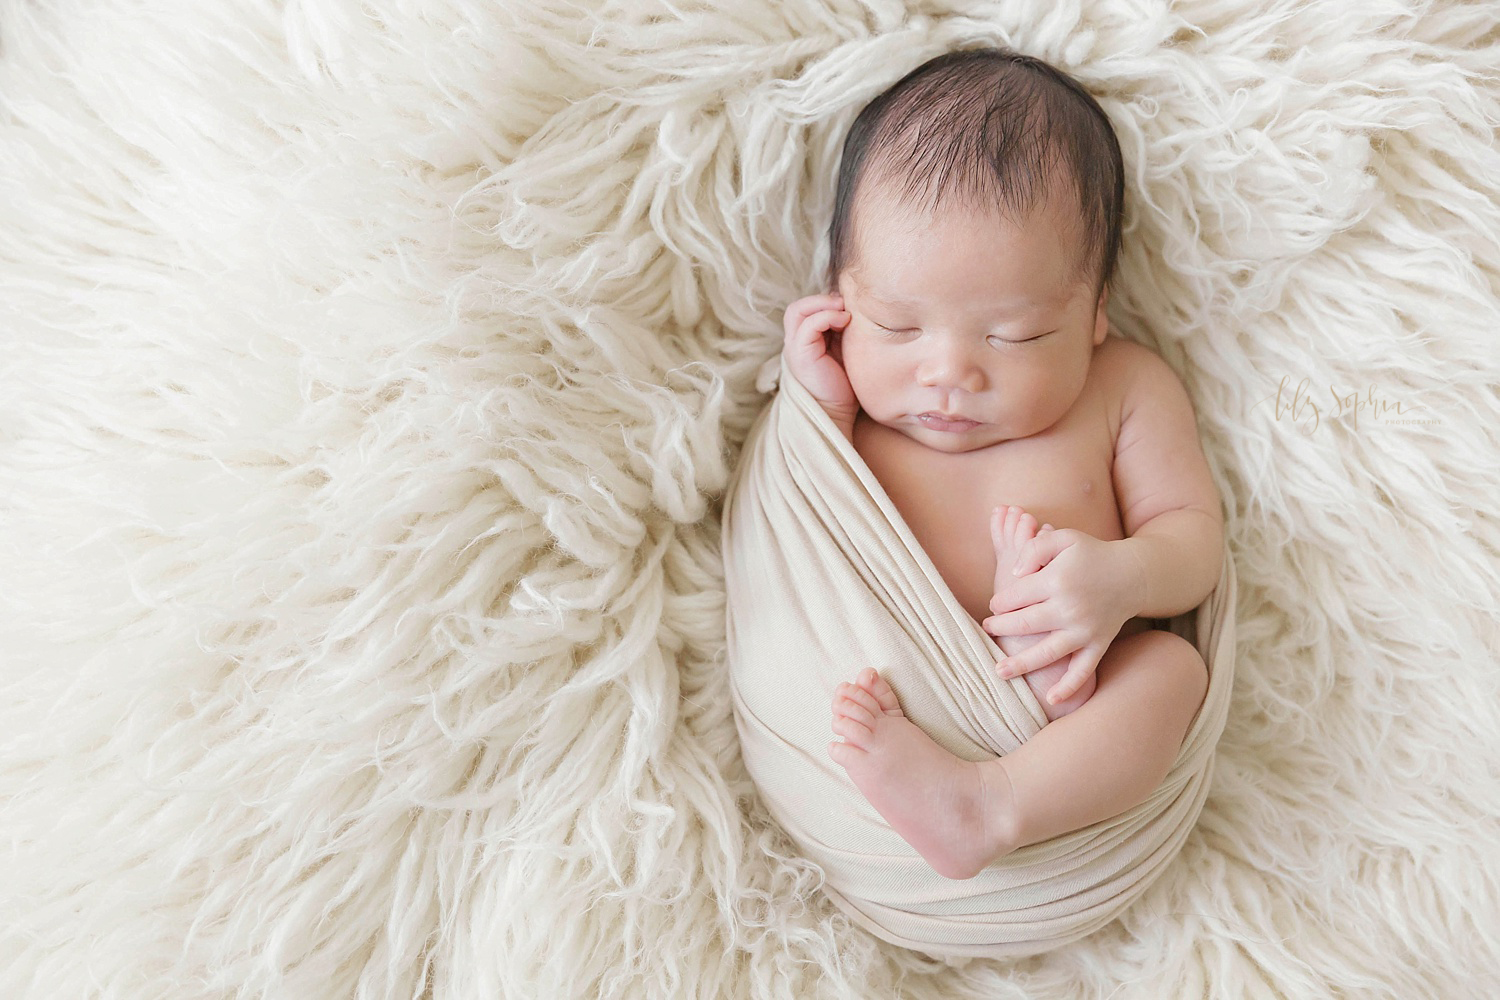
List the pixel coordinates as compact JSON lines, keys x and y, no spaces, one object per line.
{"x":938,"y":422}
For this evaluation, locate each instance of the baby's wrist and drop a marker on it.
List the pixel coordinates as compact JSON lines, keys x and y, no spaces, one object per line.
{"x":1134,"y":577}
{"x":842,"y":418}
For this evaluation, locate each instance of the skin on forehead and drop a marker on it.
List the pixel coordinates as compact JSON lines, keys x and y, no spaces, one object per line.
{"x":895,"y":247}
{"x":881,"y":219}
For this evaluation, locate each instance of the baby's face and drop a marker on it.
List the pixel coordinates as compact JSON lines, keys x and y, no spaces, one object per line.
{"x":967,"y":315}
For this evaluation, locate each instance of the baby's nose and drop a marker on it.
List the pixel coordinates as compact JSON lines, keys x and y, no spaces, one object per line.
{"x":952,"y":369}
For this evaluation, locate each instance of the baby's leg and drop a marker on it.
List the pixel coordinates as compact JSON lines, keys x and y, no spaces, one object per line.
{"x":1088,"y":766}
{"x":1111,"y":753}
{"x":933,"y":799}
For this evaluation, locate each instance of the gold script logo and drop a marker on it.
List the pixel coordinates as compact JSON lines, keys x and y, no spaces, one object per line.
{"x":1307,"y":407}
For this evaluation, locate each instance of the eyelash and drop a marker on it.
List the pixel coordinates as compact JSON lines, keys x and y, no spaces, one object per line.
{"x":1001,"y":339}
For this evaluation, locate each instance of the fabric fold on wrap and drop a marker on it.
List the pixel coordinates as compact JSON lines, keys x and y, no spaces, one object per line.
{"x":823,"y":578}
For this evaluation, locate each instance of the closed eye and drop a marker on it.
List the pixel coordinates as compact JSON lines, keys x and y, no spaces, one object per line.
{"x":1002,"y":340}
{"x":1028,"y":340}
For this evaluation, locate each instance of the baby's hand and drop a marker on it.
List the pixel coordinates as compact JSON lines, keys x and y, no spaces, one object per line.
{"x":1076,"y":587}
{"x":810,"y":324}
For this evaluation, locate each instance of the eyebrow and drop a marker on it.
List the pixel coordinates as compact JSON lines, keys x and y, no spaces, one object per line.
{"x":892,"y":300}
{"x":895,"y":302}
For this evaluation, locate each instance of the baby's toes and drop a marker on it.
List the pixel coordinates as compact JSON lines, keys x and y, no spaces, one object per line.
{"x":1003,"y":524}
{"x":1017,"y":528}
{"x":853,"y":724}
{"x":859,"y":696}
{"x":881,"y":691}
{"x":1013,"y":515}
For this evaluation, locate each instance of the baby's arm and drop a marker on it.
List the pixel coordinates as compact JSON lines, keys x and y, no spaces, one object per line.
{"x":1169,"y":506}
{"x":810,"y":324}
{"x":1082,"y":589}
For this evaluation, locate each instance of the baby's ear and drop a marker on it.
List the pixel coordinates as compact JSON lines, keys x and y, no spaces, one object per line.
{"x":1101,"y":318}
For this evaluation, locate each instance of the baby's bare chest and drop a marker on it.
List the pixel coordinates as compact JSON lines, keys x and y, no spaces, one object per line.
{"x":1063,"y":477}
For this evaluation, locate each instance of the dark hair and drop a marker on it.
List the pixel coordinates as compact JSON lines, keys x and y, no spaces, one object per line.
{"x":991,"y":127}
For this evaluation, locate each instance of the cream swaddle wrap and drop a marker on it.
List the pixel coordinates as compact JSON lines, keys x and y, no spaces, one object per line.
{"x":823,"y":578}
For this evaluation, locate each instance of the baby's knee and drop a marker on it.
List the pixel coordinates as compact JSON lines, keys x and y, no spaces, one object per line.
{"x":1170,"y":653}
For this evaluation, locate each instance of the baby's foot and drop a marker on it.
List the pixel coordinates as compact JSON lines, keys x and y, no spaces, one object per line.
{"x":1010,"y":529}
{"x":948,"y":809}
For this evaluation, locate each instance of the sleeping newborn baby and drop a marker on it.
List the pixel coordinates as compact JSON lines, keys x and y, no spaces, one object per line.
{"x":1050,"y":469}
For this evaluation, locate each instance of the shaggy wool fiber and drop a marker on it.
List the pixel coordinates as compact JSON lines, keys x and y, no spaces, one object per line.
{"x":372,"y":372}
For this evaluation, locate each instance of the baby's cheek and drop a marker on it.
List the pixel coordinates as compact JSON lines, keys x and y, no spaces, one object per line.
{"x":865,"y":392}
{"x":854,"y":368}
{"x":852,"y":350}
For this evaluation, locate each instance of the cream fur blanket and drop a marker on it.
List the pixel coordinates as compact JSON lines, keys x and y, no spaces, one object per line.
{"x":372,"y":374}
{"x":824,"y":577}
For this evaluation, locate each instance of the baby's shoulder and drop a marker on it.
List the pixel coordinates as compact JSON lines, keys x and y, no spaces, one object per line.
{"x":1128,"y":369}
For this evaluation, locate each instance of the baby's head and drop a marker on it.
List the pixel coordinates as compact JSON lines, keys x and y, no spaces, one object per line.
{"x":975,"y":231}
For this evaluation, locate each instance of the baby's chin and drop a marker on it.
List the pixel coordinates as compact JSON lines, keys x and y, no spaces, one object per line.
{"x":953,"y":444}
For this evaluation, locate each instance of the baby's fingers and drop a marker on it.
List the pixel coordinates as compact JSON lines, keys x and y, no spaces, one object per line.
{"x":1078,"y":674}
{"x":1067,"y":685}
{"x":1029,"y":620}
{"x":811,"y":344}
{"x":798,"y":312}
{"x":813,"y":327}
{"x":1035,"y":657}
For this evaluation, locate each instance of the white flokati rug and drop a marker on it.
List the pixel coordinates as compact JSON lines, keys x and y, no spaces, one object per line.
{"x":371,"y":375}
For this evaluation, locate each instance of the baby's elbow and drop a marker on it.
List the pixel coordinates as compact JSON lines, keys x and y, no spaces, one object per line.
{"x":1212,"y":546}
{"x":1201,"y":528}
{"x":1215,"y":521}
